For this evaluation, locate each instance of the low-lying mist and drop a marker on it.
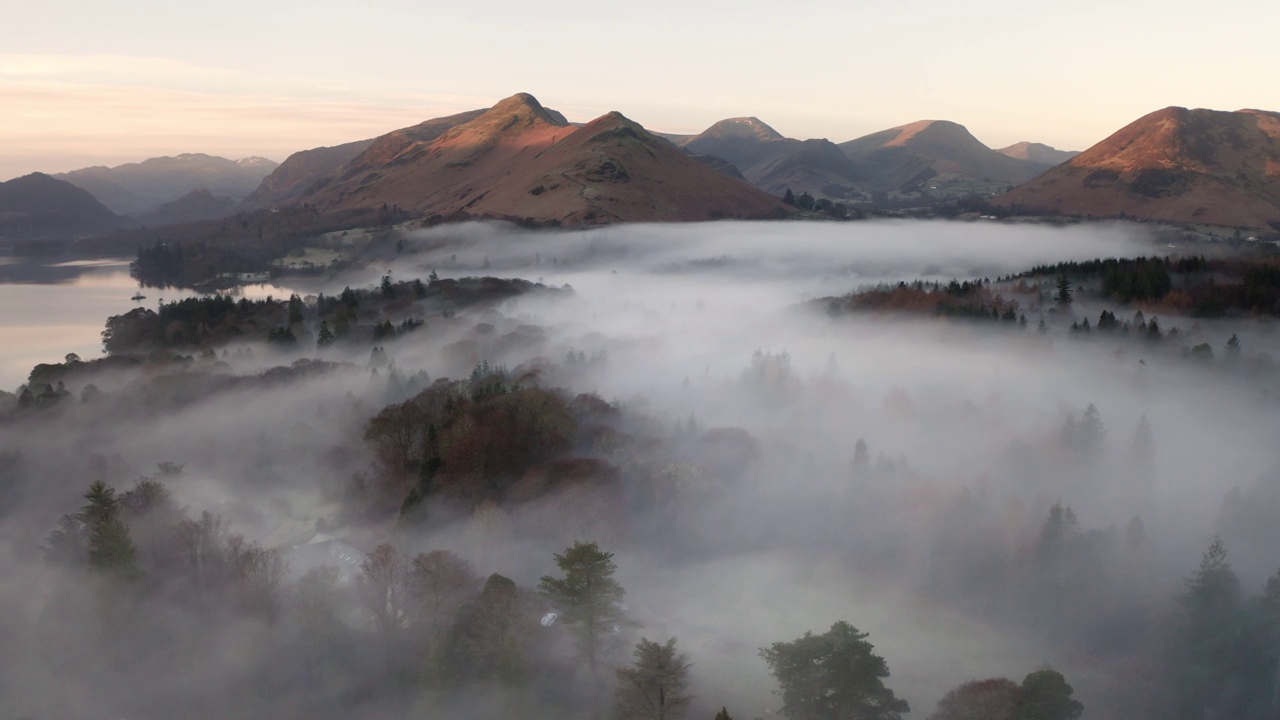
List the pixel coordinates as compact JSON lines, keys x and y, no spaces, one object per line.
{"x":772,"y":468}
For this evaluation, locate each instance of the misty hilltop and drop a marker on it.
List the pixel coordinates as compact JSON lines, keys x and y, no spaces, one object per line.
{"x":1190,"y":166}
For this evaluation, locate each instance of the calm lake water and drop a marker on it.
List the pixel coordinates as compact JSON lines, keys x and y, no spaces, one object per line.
{"x":49,"y":310}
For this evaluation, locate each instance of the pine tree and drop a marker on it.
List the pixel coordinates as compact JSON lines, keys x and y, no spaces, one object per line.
{"x":1210,"y":631}
{"x":587,"y":596}
{"x":326,"y":335}
{"x":111,"y":548}
{"x":1233,"y":347}
{"x":723,"y":714}
{"x":1064,"y":291}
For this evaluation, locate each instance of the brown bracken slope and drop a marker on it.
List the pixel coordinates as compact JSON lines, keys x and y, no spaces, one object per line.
{"x":521,"y":161}
{"x":1179,"y":165}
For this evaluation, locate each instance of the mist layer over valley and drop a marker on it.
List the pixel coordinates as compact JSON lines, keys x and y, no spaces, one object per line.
{"x":983,"y":497}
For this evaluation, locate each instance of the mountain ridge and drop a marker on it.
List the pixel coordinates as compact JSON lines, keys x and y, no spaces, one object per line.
{"x":522,"y":161}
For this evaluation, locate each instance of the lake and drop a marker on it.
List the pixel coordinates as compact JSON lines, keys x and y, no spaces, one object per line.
{"x":49,"y":310}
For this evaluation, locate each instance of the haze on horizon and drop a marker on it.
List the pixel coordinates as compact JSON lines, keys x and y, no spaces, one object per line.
{"x":237,"y":79}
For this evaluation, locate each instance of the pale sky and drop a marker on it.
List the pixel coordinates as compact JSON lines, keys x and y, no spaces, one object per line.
{"x":86,"y":82}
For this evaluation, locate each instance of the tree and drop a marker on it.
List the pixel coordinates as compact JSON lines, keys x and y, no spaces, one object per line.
{"x":1144,"y":445}
{"x":832,"y":676}
{"x":723,"y":714}
{"x":587,"y":596}
{"x":102,"y":504}
{"x":490,"y":638}
{"x":1045,"y":695}
{"x":382,"y":588}
{"x":1063,"y":296}
{"x":1233,"y":348}
{"x":439,"y":585}
{"x":1090,"y":433}
{"x":861,"y":455}
{"x":789,"y":198}
{"x":1209,"y":635}
{"x":655,"y":686}
{"x":111,"y":549}
{"x":992,"y":699}
{"x":326,"y":335}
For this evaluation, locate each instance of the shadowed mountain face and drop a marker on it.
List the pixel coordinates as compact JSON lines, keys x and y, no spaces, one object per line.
{"x":522,"y":161}
{"x":775,"y":163}
{"x":300,"y":171}
{"x":38,"y":206}
{"x":136,"y":188}
{"x":1180,"y":165}
{"x":928,"y":152}
{"x":194,"y":206}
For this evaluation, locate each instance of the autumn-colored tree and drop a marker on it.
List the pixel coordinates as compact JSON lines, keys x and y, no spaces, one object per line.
{"x":991,"y":699}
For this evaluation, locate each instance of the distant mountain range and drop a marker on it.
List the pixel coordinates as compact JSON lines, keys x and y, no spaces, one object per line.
{"x":137,"y":188}
{"x":1175,"y":164}
{"x":521,"y":161}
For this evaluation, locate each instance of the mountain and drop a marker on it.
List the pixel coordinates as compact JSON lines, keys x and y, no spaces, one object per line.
{"x":135,"y":188}
{"x":933,"y":154}
{"x":1194,"y":166}
{"x":194,"y":206}
{"x":38,"y":206}
{"x":521,"y":161}
{"x":1038,"y":153}
{"x":817,"y":167}
{"x":775,"y":163}
{"x":300,"y":171}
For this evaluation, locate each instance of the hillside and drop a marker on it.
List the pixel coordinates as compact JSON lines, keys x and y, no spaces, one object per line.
{"x":135,"y":188}
{"x":930,"y":154}
{"x":1193,"y":166}
{"x":194,"y":206}
{"x":300,"y":171}
{"x":38,"y":206}
{"x":522,"y":161}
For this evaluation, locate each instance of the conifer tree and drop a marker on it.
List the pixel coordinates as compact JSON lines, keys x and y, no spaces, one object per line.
{"x":588,"y":598}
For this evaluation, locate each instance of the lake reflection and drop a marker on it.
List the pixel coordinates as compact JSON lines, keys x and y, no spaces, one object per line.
{"x":49,"y":310}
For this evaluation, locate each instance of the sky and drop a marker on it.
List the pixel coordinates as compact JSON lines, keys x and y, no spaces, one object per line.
{"x":104,"y":82}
